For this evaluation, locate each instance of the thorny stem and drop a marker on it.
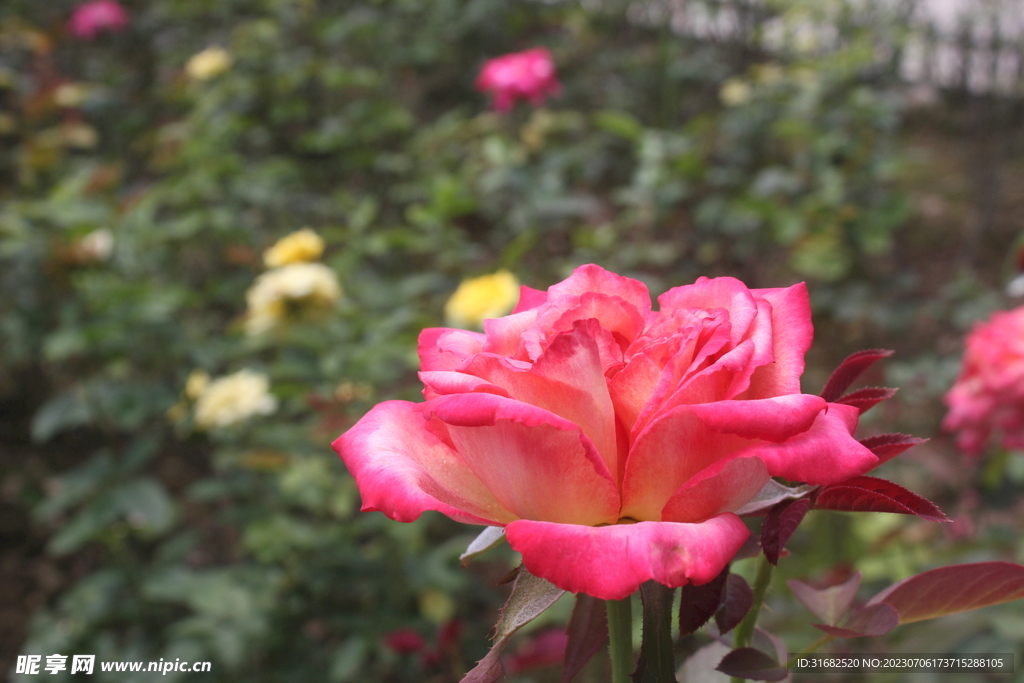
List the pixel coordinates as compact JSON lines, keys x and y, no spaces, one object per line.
{"x":620,"y":639}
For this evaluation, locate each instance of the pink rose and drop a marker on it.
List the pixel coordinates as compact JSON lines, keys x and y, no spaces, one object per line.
{"x":90,"y":18}
{"x":527,"y":75}
{"x":989,"y":393}
{"x":614,"y":443}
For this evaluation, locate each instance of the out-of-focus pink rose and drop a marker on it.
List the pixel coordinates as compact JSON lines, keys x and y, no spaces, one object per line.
{"x":614,"y":443}
{"x":527,"y":75}
{"x":405,"y":640}
{"x":90,"y":18}
{"x":989,"y":393}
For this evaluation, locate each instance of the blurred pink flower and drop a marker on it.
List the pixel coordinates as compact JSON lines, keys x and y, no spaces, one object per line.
{"x":989,"y":393}
{"x":528,"y":75}
{"x":90,"y":18}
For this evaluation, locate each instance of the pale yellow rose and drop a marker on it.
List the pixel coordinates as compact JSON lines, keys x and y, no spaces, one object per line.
{"x":303,"y":245}
{"x":735,"y":92}
{"x":479,"y":298}
{"x":196,"y":383}
{"x":234,"y":398}
{"x":211,"y":62}
{"x":293,"y":290}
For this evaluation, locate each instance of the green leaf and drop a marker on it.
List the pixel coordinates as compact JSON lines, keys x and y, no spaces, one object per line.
{"x":60,"y":413}
{"x":530,"y":597}
{"x":491,"y":537}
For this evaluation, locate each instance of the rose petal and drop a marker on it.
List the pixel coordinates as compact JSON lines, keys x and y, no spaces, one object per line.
{"x":772,"y":419}
{"x":442,"y":348}
{"x":725,"y":486}
{"x":593,"y":278}
{"x":567,"y":380}
{"x":610,"y":562}
{"x":504,"y":335}
{"x":538,"y":465}
{"x":709,"y":294}
{"x":674,"y":447}
{"x":792,"y":332}
{"x":825,"y":454}
{"x":529,"y":298}
{"x":443,"y":382}
{"x":403,"y":470}
{"x":632,"y":387}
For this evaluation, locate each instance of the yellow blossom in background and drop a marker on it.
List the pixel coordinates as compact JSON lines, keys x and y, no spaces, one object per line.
{"x":479,"y":298}
{"x":211,"y":62}
{"x":234,"y":398}
{"x":196,"y":383}
{"x":70,"y":94}
{"x":734,"y":92}
{"x":294,"y":289}
{"x":303,"y":245}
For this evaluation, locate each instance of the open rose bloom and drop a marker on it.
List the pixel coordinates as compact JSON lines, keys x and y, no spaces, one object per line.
{"x":989,"y":393}
{"x":613,"y":442}
{"x":527,"y":75}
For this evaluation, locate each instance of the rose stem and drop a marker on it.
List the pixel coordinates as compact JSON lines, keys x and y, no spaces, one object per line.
{"x":620,"y":638}
{"x":745,"y":631}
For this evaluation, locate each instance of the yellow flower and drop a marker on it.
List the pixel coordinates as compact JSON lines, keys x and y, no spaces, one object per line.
{"x":734,"y":92}
{"x":489,"y":296}
{"x":304,"y":245}
{"x":295,"y":289}
{"x":211,"y":62}
{"x":196,"y":383}
{"x":70,"y":94}
{"x":234,"y":398}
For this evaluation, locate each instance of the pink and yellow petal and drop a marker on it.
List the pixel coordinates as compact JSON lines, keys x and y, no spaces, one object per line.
{"x":403,"y":470}
{"x":536,"y":464}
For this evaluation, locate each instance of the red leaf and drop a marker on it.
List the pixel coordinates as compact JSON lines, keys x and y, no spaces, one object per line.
{"x":871,"y":620}
{"x":736,"y":602}
{"x":828,"y":604}
{"x":588,"y":632}
{"x":849,"y":370}
{"x":779,"y":525}
{"x":867,"y":398}
{"x":870,"y":494}
{"x":957,"y":588}
{"x":888,"y":446}
{"x":697,"y":604}
{"x":747,"y":662}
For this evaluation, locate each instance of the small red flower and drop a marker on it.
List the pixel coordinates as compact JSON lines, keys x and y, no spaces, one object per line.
{"x":527,"y":75}
{"x":91,"y":18}
{"x":405,"y":641}
{"x":547,"y":648}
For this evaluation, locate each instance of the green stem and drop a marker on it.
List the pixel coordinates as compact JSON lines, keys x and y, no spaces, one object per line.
{"x":745,"y":631}
{"x":620,"y":638}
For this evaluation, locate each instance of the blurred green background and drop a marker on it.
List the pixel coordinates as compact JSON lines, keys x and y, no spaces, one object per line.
{"x":776,"y":141}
